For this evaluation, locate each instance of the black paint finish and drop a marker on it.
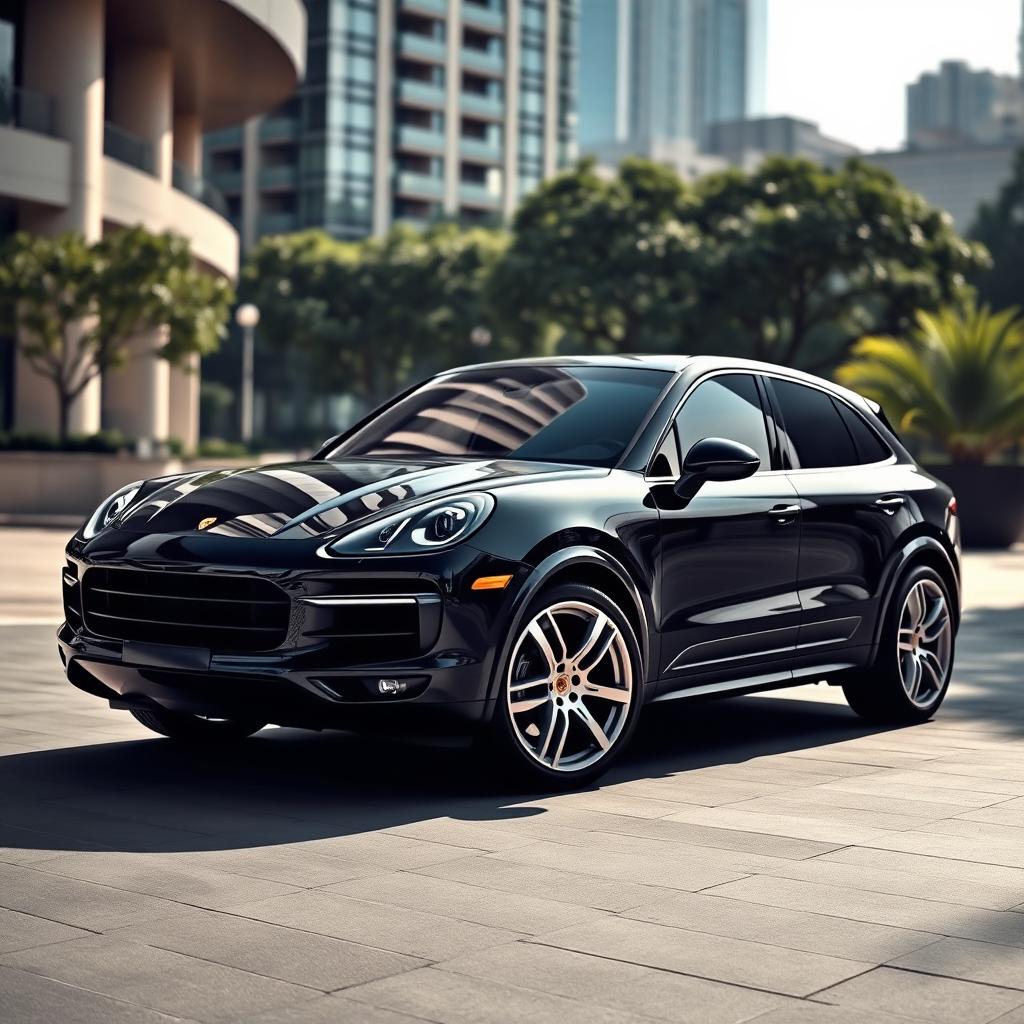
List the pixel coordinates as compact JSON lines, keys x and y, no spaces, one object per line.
{"x":733,"y":584}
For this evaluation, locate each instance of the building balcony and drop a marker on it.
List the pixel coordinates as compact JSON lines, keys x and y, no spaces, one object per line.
{"x":482,"y":150}
{"x":433,"y":8}
{"x":422,"y":47}
{"x":279,"y":129}
{"x":483,"y":62}
{"x":228,"y":182}
{"x":280,"y":222}
{"x":479,"y":197}
{"x":490,"y":107}
{"x":26,"y":109}
{"x":483,"y":16}
{"x":421,"y":94}
{"x":424,"y":186}
{"x":424,"y":140}
{"x":282,"y":176}
{"x":127,"y":148}
{"x":198,"y":188}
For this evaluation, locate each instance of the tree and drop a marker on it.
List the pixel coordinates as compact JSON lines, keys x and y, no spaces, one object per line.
{"x":76,"y":305}
{"x":790,"y":263}
{"x":367,"y":316}
{"x":610,"y":260}
{"x":1000,"y":227}
{"x":957,"y":379}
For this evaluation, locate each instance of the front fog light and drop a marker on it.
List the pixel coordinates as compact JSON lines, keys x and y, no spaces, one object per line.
{"x":391,"y":687}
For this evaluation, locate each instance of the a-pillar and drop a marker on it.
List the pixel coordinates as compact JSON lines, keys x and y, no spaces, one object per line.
{"x":63,"y":59}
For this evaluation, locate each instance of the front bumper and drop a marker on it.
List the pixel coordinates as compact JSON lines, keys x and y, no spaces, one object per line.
{"x":310,"y":680}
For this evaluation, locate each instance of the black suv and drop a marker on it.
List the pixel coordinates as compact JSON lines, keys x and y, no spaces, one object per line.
{"x":529,"y":552}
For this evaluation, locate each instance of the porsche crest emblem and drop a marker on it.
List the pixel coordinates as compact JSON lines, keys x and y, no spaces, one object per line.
{"x":206,"y":523}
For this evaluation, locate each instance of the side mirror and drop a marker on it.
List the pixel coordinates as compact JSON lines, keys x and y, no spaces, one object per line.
{"x":715,"y":458}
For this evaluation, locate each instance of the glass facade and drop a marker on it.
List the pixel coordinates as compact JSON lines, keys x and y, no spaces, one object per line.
{"x":319,"y":158}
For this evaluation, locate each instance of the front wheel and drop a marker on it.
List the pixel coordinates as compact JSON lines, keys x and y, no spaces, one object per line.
{"x":570,"y":689}
{"x":910,"y":675}
{"x":194,"y":729}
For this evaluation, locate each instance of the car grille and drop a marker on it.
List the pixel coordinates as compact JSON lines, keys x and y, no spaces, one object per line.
{"x":224,"y":613}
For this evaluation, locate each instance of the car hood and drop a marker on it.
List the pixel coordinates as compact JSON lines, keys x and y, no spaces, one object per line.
{"x":306,"y":499}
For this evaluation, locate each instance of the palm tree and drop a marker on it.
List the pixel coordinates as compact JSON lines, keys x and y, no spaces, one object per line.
{"x":957,"y":379}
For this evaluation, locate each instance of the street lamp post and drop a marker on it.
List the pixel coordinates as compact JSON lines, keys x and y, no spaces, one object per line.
{"x":247,"y":316}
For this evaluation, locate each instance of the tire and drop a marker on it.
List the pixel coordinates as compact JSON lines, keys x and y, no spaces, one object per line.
{"x":561,"y":717}
{"x":910,"y":675}
{"x":192,"y":729}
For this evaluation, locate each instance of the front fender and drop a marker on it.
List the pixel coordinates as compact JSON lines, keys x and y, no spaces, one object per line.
{"x":556,"y":565}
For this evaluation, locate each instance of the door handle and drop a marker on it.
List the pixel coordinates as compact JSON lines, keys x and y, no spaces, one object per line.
{"x":890,"y":504}
{"x":784,"y":513}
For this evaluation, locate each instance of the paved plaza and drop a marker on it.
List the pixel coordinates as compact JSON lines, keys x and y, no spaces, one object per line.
{"x":766,"y":858}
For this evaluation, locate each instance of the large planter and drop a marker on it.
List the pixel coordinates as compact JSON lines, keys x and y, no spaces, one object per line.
{"x":990,"y":500}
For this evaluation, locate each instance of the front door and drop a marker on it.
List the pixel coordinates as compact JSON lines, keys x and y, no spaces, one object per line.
{"x":729,"y":607}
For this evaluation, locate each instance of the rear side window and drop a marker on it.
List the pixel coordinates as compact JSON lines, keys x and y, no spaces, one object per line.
{"x":725,"y":406}
{"x":870,"y":447}
{"x":817,"y":435}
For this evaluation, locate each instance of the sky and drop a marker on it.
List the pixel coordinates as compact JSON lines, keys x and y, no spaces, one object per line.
{"x":845,"y":63}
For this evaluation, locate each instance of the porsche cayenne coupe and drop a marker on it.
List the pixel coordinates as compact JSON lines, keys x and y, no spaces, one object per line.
{"x":529,"y":553}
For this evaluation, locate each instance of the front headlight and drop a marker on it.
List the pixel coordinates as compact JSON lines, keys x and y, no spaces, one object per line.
{"x":415,"y":531}
{"x":111,"y":508}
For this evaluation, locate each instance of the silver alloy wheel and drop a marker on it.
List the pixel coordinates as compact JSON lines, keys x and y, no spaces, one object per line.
{"x":924,"y":642}
{"x":570,"y":686}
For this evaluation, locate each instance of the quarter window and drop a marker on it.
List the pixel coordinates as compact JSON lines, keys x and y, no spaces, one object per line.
{"x":870,"y":447}
{"x":725,"y":406}
{"x":817,"y":435}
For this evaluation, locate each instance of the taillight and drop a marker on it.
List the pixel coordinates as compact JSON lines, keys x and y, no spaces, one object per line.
{"x":952,"y":506}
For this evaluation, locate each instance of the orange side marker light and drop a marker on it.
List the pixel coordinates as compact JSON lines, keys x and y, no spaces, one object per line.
{"x":491,"y":582}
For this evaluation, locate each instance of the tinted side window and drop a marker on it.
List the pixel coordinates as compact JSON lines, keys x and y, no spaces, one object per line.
{"x":870,"y":447}
{"x":725,"y":406}
{"x":815,"y":429}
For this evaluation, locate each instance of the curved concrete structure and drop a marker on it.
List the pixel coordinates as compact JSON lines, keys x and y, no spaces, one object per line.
{"x":105,"y":131}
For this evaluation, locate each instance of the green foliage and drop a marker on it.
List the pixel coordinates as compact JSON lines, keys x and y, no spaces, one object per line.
{"x":957,"y":379}
{"x":1000,"y":227}
{"x":611,"y":261}
{"x":77,"y":305}
{"x":366,"y":316}
{"x":790,"y":263}
{"x":106,"y":442}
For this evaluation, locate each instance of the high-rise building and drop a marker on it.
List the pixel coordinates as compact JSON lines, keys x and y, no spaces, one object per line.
{"x":956,"y":105}
{"x":411,"y":110}
{"x":668,"y":69}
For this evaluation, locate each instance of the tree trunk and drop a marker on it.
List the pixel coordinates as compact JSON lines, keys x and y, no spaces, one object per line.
{"x":64,"y":401}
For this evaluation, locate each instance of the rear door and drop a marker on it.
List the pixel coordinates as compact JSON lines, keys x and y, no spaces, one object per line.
{"x":853,"y":511}
{"x":728,"y":561}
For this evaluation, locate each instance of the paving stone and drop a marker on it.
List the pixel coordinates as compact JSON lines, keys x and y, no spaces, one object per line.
{"x":154,"y":978}
{"x":720,"y":958}
{"x":861,"y":905}
{"x":814,"y":933}
{"x":333,"y":1009}
{"x":923,"y":997}
{"x":412,"y":932}
{"x":300,"y":957}
{"x":22,"y":931}
{"x":971,"y":961}
{"x":616,"y":985}
{"x":519,"y":912}
{"x":28,"y":997}
{"x":450,"y":998}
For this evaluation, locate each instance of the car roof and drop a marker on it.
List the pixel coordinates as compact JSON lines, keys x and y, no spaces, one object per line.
{"x":672,"y":363}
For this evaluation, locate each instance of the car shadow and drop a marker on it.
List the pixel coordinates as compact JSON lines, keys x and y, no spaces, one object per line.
{"x":289,"y":786}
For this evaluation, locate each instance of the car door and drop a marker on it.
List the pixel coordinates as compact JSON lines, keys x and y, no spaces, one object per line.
{"x":728,"y":556}
{"x":853,"y":499}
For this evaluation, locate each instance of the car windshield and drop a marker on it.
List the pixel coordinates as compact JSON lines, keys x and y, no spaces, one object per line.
{"x":577,"y":414}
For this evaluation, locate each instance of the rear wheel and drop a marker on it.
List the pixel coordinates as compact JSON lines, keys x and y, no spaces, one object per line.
{"x":910,"y":676}
{"x":194,"y":729}
{"x":570,"y":689}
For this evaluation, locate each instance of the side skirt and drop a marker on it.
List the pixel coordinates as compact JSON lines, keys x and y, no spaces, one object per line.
{"x":762,"y":681}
